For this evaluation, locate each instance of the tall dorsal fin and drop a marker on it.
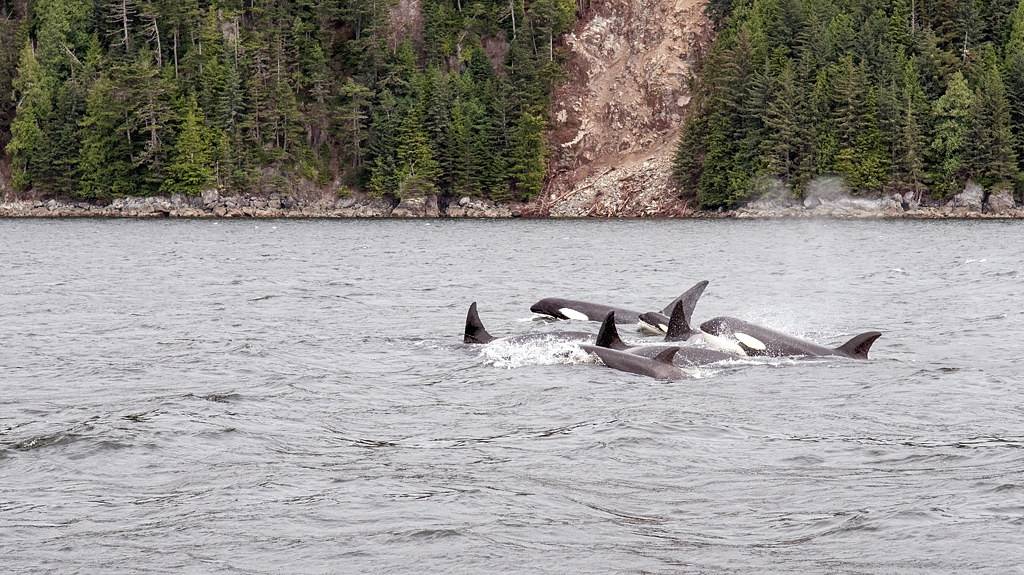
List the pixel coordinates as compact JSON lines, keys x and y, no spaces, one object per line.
{"x":688,"y":298}
{"x":666,"y":356}
{"x":679,"y":324}
{"x":475,"y":332}
{"x":609,"y":334}
{"x":858,"y":347}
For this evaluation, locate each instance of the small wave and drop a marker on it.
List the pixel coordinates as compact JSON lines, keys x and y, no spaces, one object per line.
{"x":420,"y":535}
{"x":218,"y":397}
{"x":263,"y":298}
{"x":45,"y":440}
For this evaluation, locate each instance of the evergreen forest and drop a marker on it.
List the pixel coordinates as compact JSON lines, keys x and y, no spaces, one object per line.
{"x":107,"y":98}
{"x":893,"y":96}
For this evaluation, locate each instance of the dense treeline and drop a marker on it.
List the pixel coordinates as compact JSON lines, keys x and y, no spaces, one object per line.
{"x":137,"y":97}
{"x":894,"y":96}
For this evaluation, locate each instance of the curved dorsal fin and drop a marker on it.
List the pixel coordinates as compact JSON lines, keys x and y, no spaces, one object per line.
{"x":859,"y":346}
{"x":608,"y":336}
{"x":475,"y":332}
{"x":688,"y":298}
{"x":666,"y":356}
{"x":679,"y":324}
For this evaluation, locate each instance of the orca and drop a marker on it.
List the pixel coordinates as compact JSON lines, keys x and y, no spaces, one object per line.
{"x":658,"y":367}
{"x":657,"y":322}
{"x":762,"y":341}
{"x":475,"y":333}
{"x":585,"y":311}
{"x":678,"y":330}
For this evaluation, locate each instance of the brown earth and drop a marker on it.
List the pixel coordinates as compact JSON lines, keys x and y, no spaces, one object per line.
{"x":616,"y":118}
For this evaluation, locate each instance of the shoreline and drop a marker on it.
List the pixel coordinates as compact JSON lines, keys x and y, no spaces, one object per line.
{"x":213,"y":206}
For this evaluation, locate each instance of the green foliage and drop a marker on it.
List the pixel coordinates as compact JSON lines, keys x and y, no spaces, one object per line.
{"x":120,"y":97}
{"x":105,"y":162}
{"x":952,"y":113}
{"x":190,"y":170}
{"x":893,"y":96}
{"x":27,"y":147}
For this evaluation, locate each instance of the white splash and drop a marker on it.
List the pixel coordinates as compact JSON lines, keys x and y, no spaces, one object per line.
{"x":546,"y":351}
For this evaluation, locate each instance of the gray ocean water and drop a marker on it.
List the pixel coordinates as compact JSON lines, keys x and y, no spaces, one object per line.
{"x":294,"y":397}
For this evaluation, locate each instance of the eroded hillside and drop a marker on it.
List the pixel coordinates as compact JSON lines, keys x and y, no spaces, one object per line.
{"x":616,"y":118}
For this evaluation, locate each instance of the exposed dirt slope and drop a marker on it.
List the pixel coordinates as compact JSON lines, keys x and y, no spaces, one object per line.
{"x":615,"y":119}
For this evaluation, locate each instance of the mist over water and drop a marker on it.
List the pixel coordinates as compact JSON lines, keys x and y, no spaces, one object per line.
{"x":269,"y":397}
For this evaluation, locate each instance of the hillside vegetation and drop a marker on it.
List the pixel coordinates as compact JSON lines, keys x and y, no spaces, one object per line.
{"x":105,"y":98}
{"x":895,"y":96}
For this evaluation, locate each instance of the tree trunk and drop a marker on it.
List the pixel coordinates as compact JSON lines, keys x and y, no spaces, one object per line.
{"x":175,"y":52}
{"x":512,"y":5}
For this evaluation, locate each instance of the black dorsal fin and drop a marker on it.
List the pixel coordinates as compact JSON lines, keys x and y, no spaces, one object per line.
{"x":859,"y":346}
{"x":679,"y":324}
{"x":475,"y":332}
{"x":689,"y":299}
{"x":666,"y":356}
{"x":609,"y":334}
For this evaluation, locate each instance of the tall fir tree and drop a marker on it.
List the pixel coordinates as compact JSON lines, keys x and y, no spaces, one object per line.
{"x":191,"y":167}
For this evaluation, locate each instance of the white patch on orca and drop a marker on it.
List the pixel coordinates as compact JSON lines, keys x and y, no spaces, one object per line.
{"x":647,"y":328}
{"x":722,"y":343}
{"x":750,"y":341}
{"x":570,"y":313}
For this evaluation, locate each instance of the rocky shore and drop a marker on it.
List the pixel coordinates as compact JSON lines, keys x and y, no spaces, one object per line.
{"x":972,"y":203}
{"x":212,"y":204}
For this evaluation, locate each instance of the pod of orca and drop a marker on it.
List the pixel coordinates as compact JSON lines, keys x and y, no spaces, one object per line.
{"x":718,"y":339}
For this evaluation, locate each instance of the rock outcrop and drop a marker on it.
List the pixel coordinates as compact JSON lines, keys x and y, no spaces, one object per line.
{"x":421,"y":207}
{"x":616,"y":118}
{"x":1000,"y":201}
{"x":473,"y":208}
{"x":972,"y":198}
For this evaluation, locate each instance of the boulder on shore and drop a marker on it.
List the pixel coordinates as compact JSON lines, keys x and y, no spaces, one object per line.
{"x":417,"y":207}
{"x":476,"y":208}
{"x":1000,"y":201}
{"x":972,"y":198}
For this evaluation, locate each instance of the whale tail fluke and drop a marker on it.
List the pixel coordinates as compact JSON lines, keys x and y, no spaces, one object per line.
{"x":689,"y":299}
{"x":475,"y":332}
{"x":858,"y":347}
{"x":608,"y":336}
{"x":679,"y":324}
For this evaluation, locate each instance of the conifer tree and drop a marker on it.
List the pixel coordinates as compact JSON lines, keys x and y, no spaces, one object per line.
{"x":105,"y":161}
{"x":527,"y":156}
{"x":27,"y":147}
{"x":191,"y":167}
{"x":952,"y":129}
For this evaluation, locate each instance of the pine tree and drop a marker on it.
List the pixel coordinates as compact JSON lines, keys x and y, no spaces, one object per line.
{"x":190,"y":170}
{"x":992,"y":159}
{"x":783,"y":129}
{"x":28,"y":142}
{"x":105,"y":160}
{"x":952,"y":129}
{"x":527,"y":156}
{"x":417,"y":170}
{"x":910,"y":143}
{"x":1013,"y":72}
